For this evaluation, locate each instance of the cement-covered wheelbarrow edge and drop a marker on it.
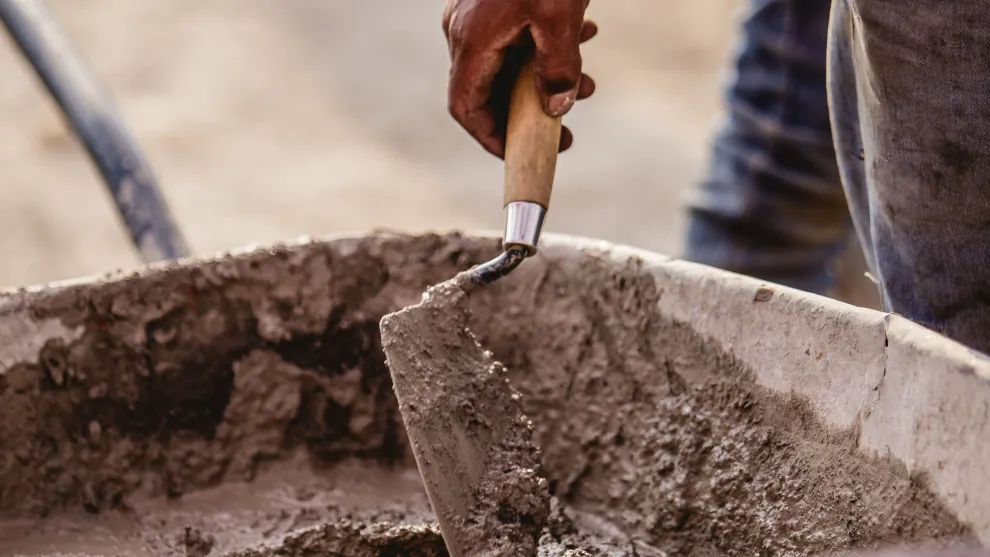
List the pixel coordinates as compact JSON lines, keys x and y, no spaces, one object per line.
{"x":910,"y":394}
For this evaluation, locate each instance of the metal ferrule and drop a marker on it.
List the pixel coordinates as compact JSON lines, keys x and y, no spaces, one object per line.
{"x":523,"y":224}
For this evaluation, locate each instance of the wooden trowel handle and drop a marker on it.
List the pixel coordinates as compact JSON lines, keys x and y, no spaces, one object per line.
{"x":531,"y":144}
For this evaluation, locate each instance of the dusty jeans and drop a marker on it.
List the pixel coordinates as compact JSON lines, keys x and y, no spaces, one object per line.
{"x":909,"y":91}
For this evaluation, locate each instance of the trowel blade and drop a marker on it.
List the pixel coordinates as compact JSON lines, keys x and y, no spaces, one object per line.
{"x":471,"y":442}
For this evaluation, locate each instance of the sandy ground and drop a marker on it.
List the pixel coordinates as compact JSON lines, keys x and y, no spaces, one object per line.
{"x":270,"y":119}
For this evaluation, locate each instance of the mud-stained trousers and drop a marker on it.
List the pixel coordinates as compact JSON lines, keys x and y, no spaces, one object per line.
{"x":904,"y":160}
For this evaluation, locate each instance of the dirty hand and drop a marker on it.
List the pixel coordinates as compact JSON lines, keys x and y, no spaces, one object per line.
{"x":490,"y":39}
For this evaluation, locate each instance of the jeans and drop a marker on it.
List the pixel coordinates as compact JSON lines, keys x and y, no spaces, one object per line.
{"x":903,"y":161}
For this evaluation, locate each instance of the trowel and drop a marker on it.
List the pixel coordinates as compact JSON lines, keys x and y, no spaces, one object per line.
{"x":471,"y":442}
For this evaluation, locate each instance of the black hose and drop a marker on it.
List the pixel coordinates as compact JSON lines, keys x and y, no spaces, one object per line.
{"x":91,"y":114}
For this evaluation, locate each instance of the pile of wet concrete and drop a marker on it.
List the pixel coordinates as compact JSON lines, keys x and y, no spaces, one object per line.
{"x":242,"y":406}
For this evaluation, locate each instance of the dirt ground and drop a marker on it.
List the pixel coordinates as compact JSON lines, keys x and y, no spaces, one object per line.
{"x":269,"y":119}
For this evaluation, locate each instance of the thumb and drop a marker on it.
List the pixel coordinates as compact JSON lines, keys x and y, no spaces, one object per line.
{"x":557,"y":61}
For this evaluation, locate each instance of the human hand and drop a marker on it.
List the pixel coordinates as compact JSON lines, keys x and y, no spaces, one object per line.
{"x":489,"y":41}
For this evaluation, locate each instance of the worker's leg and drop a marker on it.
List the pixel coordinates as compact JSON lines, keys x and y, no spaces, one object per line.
{"x":912,"y":80}
{"x":772,"y":204}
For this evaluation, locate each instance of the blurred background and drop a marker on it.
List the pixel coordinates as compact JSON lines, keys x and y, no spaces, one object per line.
{"x":269,"y":119}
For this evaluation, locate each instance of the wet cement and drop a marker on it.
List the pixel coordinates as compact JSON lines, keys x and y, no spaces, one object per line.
{"x":218,"y":376}
{"x":292,"y":503}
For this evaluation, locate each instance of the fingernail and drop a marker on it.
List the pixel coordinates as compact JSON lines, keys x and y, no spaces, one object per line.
{"x":559,"y":104}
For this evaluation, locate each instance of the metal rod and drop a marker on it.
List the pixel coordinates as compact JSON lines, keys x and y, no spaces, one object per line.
{"x":487,"y":273}
{"x":97,"y":124}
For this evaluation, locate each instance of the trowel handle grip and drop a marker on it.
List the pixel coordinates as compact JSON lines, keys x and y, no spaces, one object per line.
{"x":532,"y":141}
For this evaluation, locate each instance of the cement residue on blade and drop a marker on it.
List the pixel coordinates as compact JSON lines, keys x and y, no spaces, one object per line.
{"x":471,"y":441}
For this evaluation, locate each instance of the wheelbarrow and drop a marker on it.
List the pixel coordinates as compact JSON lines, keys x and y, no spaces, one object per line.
{"x":240,"y":405}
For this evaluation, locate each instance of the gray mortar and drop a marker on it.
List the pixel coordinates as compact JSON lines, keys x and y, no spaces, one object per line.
{"x":196,"y":376}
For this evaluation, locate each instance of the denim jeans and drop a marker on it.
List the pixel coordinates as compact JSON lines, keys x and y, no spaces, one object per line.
{"x":903,"y":160}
